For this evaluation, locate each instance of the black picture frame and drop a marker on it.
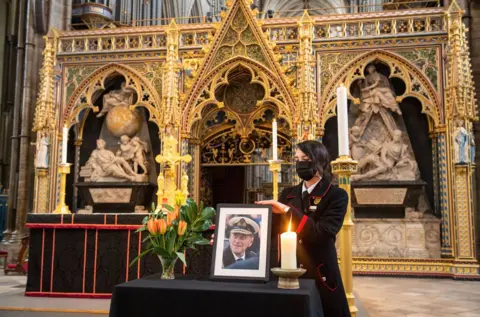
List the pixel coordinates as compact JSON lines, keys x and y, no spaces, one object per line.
{"x":226,"y":212}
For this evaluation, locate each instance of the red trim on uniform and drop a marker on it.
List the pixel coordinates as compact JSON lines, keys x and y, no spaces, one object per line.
{"x":81,"y":226}
{"x":324,"y":282}
{"x":302,"y":224}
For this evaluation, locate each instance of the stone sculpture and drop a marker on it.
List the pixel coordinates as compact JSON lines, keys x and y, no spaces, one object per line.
{"x":104,"y":164}
{"x":389,"y":160}
{"x":121,"y":97}
{"x":134,"y":150}
{"x":41,"y":160}
{"x":377,"y":142}
{"x":460,"y":143}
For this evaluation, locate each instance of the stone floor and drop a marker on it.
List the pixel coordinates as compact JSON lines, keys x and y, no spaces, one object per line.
{"x":395,"y":297}
{"x":376,"y":297}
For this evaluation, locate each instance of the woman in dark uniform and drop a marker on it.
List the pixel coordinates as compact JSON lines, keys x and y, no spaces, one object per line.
{"x":317,"y":209}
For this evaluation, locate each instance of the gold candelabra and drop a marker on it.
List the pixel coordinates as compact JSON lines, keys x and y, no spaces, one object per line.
{"x":62,"y":208}
{"x":275,"y":167}
{"x":344,"y":167}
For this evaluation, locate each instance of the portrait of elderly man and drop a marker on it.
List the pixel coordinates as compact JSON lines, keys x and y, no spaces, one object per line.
{"x":240,"y":231}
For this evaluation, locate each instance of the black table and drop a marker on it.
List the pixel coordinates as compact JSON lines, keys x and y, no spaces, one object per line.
{"x":151,"y":296}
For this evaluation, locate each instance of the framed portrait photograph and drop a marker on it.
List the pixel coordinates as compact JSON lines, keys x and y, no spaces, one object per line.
{"x":241,"y":248}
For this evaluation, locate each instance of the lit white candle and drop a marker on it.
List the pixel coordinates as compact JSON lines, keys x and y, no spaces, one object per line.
{"x":342,"y":120}
{"x":64,"y":144}
{"x":288,"y":247}
{"x":274,"y":140}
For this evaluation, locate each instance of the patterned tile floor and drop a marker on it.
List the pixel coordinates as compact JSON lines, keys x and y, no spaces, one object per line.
{"x":376,"y":297}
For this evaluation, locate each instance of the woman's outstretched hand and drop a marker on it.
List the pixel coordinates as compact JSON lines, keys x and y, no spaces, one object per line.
{"x":278,"y":208}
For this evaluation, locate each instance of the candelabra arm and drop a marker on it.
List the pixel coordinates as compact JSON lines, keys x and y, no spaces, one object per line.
{"x":62,"y":207}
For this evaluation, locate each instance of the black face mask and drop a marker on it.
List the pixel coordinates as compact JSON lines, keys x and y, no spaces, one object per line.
{"x":306,"y":170}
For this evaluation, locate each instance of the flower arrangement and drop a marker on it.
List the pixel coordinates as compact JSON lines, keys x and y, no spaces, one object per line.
{"x":173,"y":230}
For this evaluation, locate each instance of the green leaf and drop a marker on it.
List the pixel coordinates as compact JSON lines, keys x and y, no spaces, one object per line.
{"x":153,"y":207}
{"x":181,"y":256}
{"x":208,"y":213}
{"x":168,"y":207}
{"x":138,"y":257}
{"x":172,"y":235}
{"x":162,"y":252}
{"x":202,"y":241}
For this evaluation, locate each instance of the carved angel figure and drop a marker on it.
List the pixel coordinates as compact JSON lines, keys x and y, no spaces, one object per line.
{"x":134,"y":150}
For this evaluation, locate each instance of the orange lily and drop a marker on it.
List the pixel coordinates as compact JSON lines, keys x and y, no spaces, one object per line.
{"x":162,"y":226}
{"x":182,"y":227}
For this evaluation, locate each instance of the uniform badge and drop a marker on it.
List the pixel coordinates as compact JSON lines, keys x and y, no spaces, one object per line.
{"x":317,"y":200}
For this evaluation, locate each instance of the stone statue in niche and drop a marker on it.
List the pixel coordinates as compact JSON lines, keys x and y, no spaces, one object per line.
{"x":378,"y":138}
{"x":121,"y":97}
{"x":389,"y":160}
{"x":377,"y":97}
{"x":41,"y":160}
{"x":104,"y":166}
{"x":460,"y":143}
{"x":134,"y":150}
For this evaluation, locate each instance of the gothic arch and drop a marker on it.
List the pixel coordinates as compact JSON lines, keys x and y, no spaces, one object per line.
{"x":275,"y":92}
{"x":85,"y":94}
{"x":417,"y":85}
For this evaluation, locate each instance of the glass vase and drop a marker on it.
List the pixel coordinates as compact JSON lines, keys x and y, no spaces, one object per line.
{"x":168,"y":267}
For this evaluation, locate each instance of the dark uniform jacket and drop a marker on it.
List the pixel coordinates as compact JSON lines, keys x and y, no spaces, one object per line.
{"x":316,"y":230}
{"x":229,"y":259}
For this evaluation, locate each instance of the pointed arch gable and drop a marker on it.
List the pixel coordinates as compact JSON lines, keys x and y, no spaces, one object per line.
{"x":418,"y":85}
{"x":83,"y":97}
{"x":204,"y":94}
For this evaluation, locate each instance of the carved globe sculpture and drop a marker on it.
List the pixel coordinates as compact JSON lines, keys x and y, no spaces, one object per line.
{"x":121,"y":120}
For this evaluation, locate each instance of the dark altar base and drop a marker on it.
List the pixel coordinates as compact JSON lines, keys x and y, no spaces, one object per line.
{"x":87,"y":255}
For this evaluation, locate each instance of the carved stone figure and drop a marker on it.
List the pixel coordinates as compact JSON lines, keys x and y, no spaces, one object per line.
{"x":122,"y":97}
{"x":103,"y":163}
{"x":133,"y":150}
{"x":357,"y":145}
{"x":41,"y":160}
{"x":460,"y":143}
{"x":377,"y":97}
{"x":389,"y":161}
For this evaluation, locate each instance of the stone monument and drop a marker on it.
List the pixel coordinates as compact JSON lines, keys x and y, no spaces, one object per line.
{"x":388,"y":195}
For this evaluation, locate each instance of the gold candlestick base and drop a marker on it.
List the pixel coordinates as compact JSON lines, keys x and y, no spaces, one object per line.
{"x":275,"y":166}
{"x":62,"y":208}
{"x":288,"y":278}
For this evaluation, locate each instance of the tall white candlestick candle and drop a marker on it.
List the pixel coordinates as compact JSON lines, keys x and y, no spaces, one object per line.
{"x":342,"y":120}
{"x":274,"y":140}
{"x":64,"y":145}
{"x":288,"y":249}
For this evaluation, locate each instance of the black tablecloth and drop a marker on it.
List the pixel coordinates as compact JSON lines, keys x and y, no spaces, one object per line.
{"x":151,"y":296}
